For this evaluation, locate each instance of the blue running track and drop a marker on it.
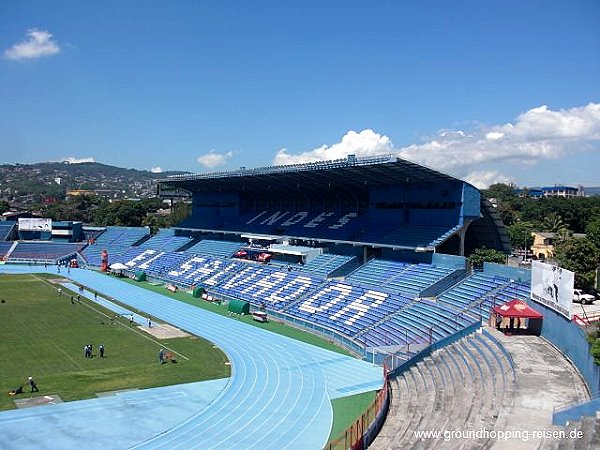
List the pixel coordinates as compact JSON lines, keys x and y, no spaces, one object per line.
{"x":278,"y":395}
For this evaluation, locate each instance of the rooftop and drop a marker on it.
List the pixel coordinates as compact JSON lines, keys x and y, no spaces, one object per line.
{"x":348,"y":173}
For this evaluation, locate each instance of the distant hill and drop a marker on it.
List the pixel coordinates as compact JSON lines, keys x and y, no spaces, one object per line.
{"x":26,"y":182}
{"x":94,"y":170}
{"x":592,"y":191}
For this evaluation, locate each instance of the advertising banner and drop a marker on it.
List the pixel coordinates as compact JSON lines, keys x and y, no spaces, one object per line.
{"x":35,"y":224}
{"x":552,"y":286}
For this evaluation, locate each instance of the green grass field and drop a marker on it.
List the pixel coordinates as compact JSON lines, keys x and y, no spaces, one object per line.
{"x":43,"y":336}
{"x":346,"y":410}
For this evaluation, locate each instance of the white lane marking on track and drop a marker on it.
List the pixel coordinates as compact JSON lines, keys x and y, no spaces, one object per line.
{"x":254,"y":394}
{"x":240,"y":386}
{"x":234,"y":397}
{"x":266,"y":403}
{"x":286,"y":402}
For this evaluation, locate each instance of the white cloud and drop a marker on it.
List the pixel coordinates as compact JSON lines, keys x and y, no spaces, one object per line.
{"x":156,"y":169}
{"x":213,"y":159}
{"x":37,"y":44}
{"x":365,"y":143}
{"x":494,"y":135}
{"x":483,"y":179}
{"x":73,"y":160}
{"x":536,"y":135}
{"x":479,"y":155}
{"x":544,"y":124}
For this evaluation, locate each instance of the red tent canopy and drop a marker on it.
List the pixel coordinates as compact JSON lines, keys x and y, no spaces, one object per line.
{"x":517,"y":308}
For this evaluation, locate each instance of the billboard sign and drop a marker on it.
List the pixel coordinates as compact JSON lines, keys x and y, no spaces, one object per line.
{"x":35,"y":224}
{"x":552,"y":286}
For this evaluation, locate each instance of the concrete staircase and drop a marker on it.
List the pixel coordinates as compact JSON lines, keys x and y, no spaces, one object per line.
{"x":588,"y":428}
{"x":468,"y":385}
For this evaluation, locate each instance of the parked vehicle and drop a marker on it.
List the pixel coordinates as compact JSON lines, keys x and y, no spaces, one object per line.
{"x":581,"y":297}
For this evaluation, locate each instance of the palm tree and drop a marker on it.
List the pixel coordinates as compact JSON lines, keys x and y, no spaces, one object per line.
{"x":554,"y":223}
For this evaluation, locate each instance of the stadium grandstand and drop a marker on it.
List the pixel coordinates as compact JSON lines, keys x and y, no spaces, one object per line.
{"x":383,"y":204}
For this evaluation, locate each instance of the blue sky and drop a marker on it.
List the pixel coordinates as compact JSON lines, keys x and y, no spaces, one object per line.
{"x":485,"y":90}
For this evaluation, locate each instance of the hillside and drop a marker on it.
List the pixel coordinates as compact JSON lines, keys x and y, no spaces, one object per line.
{"x":28,"y":183}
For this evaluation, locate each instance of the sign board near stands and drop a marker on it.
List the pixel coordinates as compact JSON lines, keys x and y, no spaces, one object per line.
{"x":35,"y":224}
{"x":552,"y":286}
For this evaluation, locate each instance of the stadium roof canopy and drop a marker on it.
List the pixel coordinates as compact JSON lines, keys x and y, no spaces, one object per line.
{"x":351,"y":173}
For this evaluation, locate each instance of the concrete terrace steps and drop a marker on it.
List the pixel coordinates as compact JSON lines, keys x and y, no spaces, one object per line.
{"x":463,"y":386}
{"x":588,"y":425}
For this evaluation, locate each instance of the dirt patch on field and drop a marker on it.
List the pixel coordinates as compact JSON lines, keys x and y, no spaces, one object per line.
{"x":58,"y":280}
{"x":37,"y":401}
{"x":112,"y":393}
{"x":165,"y":331}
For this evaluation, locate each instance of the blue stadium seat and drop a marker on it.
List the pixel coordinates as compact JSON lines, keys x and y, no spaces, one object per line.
{"x":4,"y":248}
{"x":326,"y":263}
{"x":215,"y":248}
{"x":166,"y":240}
{"x":410,"y":279}
{"x":6,"y":229}
{"x":44,"y":251}
{"x":115,"y":240}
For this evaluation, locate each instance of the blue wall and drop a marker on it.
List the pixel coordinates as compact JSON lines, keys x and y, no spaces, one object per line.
{"x":471,"y":199}
{"x":513,"y":273}
{"x":572,"y":341}
{"x":450,"y":261}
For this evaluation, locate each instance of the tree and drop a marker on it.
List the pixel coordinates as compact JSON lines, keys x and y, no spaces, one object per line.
{"x":553,"y":223}
{"x":520,"y":234}
{"x":579,"y":255}
{"x":4,"y":206}
{"x":508,"y":213}
{"x":481,"y":255}
{"x":592,"y":231}
{"x":155,"y":222}
{"x":181,"y":211}
{"x":127,"y":213}
{"x":501,"y":191}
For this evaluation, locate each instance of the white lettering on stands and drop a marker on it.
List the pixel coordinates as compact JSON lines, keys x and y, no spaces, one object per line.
{"x":317,"y":220}
{"x":141,"y":257}
{"x":304,"y":282}
{"x":204,"y":270}
{"x":343,"y":221}
{"x":215,"y":278}
{"x":343,"y":292}
{"x":360,"y":307}
{"x":242,"y":276}
{"x":295,"y":219}
{"x":147,"y":263}
{"x":186,"y":266}
{"x":266,"y":285}
{"x":274,"y":217}
{"x":256,"y":217}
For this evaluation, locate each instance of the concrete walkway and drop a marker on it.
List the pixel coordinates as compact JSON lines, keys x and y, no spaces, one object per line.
{"x":545,"y":379}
